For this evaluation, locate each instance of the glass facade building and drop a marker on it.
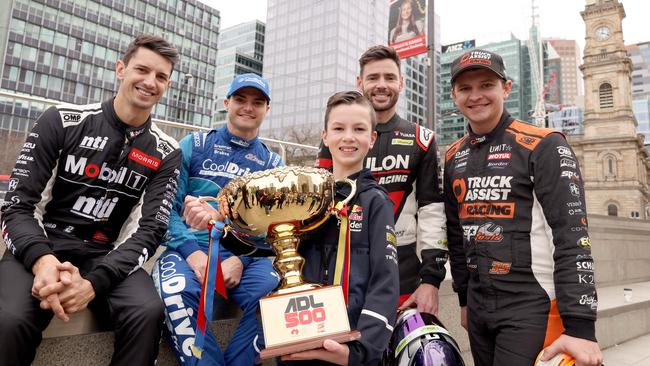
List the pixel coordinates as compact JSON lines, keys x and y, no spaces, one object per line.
{"x":640,"y":56}
{"x":451,"y":123}
{"x":311,"y":51}
{"x":571,"y":85}
{"x":241,"y":51}
{"x":66,"y":50}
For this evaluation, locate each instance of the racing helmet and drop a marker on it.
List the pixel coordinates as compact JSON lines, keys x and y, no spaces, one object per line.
{"x":420,"y":339}
{"x":561,"y":359}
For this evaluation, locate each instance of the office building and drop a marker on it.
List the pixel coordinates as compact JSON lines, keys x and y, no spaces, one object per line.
{"x":66,"y":50}
{"x":311,"y":52}
{"x":241,"y":51}
{"x":571,"y":80}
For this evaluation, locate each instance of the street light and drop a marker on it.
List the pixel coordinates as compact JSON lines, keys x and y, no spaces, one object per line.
{"x":186,"y":81}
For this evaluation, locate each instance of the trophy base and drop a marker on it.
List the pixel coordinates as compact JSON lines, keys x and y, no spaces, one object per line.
{"x":343,"y":337}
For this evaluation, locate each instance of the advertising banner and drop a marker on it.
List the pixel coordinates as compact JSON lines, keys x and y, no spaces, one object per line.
{"x":407,"y":30}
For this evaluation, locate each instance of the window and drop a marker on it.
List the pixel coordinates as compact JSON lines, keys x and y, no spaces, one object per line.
{"x":610,"y":166}
{"x":11,"y":73}
{"x":54,"y":84}
{"x":26,"y":76}
{"x":45,"y":58}
{"x":29,"y":53}
{"x":87,"y":48}
{"x":612,"y":210}
{"x":606,"y":96}
{"x":47,"y":35}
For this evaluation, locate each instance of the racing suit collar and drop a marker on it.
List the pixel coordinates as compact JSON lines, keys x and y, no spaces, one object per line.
{"x":390,"y":125}
{"x":476,"y":140}
{"x":236,"y":140}
{"x":364,"y":181}
{"x":129,"y":131}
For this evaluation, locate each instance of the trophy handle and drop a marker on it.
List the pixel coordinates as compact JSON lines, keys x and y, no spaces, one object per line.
{"x":353,"y":190}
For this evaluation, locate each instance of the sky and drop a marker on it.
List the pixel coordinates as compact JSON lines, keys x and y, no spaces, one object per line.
{"x":488,"y":21}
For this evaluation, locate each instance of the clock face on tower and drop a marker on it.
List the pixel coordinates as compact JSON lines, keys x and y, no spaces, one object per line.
{"x":602,"y":33}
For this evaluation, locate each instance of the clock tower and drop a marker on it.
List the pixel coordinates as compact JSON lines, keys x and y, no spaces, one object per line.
{"x":615,"y":164}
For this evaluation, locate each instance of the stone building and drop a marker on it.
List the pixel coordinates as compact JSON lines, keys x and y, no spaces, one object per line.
{"x":615,"y":164}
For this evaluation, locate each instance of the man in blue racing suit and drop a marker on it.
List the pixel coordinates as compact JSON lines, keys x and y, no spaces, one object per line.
{"x":210,"y":160}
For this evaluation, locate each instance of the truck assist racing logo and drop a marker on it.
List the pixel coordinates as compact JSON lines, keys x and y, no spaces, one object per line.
{"x":476,"y":193}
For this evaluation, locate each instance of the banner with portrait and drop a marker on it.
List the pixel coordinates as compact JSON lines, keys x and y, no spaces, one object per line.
{"x":407,"y":27}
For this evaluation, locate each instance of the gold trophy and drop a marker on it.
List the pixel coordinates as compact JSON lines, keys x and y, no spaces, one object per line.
{"x":274,"y":209}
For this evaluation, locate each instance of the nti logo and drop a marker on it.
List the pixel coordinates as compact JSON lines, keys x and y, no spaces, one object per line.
{"x":303,"y":310}
{"x":94,"y":143}
{"x":93,"y":208}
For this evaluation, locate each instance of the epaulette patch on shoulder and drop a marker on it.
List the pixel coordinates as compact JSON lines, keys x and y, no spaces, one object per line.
{"x":72,"y":114}
{"x":451,"y":150}
{"x":527,"y":135}
{"x":424,"y":136}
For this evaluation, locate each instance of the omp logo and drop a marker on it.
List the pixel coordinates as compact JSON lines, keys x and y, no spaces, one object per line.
{"x":303,"y":310}
{"x":71,"y":117}
{"x":96,"y":209}
{"x":389,"y":162}
{"x":94,"y":143}
{"x":487,"y":209}
{"x":144,"y":159}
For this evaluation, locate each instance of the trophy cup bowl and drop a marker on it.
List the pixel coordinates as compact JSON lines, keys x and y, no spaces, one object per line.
{"x":274,"y":209}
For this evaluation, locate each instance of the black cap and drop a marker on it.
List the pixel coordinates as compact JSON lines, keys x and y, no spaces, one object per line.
{"x":478,"y":59}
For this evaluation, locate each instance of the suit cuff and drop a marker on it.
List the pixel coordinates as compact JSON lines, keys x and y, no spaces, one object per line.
{"x":580,"y":328}
{"x":188,"y":247}
{"x":431,"y":280}
{"x":35,"y":251}
{"x":101,"y":279}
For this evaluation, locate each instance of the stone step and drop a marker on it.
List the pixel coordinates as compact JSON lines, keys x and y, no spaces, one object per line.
{"x":620,"y":320}
{"x":634,"y":352}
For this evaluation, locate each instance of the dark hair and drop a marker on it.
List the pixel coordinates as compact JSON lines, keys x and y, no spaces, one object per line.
{"x":378,"y":53}
{"x":156,"y":44}
{"x":411,"y":27}
{"x":349,"y":98}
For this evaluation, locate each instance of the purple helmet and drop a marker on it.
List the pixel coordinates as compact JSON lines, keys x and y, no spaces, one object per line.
{"x":419,"y":339}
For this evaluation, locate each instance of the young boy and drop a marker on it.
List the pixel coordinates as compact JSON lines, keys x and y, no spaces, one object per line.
{"x":373,"y":281}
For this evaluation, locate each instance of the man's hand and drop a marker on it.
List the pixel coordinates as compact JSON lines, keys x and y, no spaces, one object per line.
{"x":232,"y":269}
{"x":46,"y":274}
{"x":332,"y":351}
{"x":198,"y":261}
{"x":426,"y":298}
{"x":463,"y":317}
{"x":198,"y":214}
{"x":75,"y":296}
{"x":586,"y":352}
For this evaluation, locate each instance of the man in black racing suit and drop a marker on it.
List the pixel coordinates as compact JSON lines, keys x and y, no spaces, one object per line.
{"x":517,"y":229}
{"x":89,"y":202}
{"x":404,"y":160}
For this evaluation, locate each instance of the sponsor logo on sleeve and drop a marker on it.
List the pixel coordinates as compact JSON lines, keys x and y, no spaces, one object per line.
{"x":570,"y":174}
{"x":567,"y":163}
{"x":13,"y":183}
{"x":403,"y":142}
{"x":144,"y":159}
{"x":590,"y":300}
{"x":564,"y":152}
{"x":584,"y":242}
{"x":253,"y":158}
{"x":574,"y":189}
